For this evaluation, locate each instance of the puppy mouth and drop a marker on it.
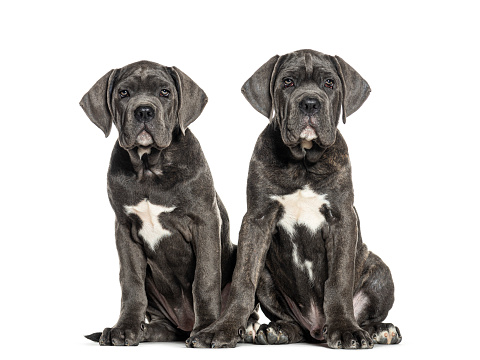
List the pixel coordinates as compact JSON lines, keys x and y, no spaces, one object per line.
{"x":144,"y":138}
{"x":302,"y":135}
{"x":306,"y":136}
{"x":308,"y":133}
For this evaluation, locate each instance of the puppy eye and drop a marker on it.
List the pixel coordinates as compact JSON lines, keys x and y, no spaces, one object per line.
{"x":123,"y":93}
{"x":329,"y":83}
{"x":164,"y":92}
{"x":287,"y":82}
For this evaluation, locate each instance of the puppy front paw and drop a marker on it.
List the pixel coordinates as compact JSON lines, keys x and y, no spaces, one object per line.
{"x":123,"y":335}
{"x":347,"y":337}
{"x":215,"y":337}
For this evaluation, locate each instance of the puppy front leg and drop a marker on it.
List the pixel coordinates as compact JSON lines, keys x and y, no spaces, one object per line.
{"x":133,"y":264}
{"x":207,"y":283}
{"x":253,"y":244}
{"x":341,"y":329}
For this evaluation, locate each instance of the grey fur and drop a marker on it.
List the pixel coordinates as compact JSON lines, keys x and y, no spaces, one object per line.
{"x":295,"y":91}
{"x":177,"y":284}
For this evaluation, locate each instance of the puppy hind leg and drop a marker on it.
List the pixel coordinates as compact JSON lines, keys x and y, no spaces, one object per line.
{"x":372,"y":300}
{"x":282,"y":329}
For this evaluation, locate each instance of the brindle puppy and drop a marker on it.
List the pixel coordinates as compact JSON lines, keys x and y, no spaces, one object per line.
{"x":300,"y":248}
{"x":171,"y":228}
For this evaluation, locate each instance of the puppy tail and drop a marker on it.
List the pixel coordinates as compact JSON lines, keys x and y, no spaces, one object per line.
{"x":94,"y":337}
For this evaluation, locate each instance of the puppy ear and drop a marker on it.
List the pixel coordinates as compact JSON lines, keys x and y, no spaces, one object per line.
{"x":191,"y":98}
{"x":354,"y":88}
{"x":97,"y":102}
{"x":258,"y":89}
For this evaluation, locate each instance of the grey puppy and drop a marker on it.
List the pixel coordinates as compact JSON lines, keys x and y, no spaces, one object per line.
{"x":300,"y":253}
{"x":171,"y":228}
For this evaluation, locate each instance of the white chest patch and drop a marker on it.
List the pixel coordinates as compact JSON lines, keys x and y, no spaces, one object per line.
{"x":302,"y":208}
{"x":152,"y":231}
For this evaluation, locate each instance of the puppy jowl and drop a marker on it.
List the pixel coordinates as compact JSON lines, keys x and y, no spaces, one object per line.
{"x":171,"y":228}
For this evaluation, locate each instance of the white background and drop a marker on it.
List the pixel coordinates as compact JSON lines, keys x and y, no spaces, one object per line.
{"x":413,"y":147}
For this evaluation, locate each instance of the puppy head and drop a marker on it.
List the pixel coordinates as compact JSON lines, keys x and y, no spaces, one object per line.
{"x":146,"y":101}
{"x":303,"y":93}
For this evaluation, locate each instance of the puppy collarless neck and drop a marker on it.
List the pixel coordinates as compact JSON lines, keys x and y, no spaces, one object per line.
{"x":148,"y":165}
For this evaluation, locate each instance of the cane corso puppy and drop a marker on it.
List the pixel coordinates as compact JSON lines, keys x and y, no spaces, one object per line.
{"x":171,"y":228}
{"x":300,"y":253}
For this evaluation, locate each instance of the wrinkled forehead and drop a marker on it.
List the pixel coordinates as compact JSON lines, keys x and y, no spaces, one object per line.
{"x":307,"y":64}
{"x":145,"y":74}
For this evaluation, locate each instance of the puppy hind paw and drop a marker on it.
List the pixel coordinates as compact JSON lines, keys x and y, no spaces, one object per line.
{"x":250,"y":332}
{"x":384,"y":333}
{"x":271,"y":334}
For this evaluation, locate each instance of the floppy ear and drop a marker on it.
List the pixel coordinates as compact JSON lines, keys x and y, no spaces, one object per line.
{"x":354,"y":88}
{"x":191,"y":98}
{"x":258,"y":89}
{"x":97,"y":102}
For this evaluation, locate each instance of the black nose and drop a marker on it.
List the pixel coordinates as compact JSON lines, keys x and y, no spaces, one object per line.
{"x":309,"y":106}
{"x":144,"y":113}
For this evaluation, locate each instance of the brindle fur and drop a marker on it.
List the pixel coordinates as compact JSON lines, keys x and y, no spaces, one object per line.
{"x":301,"y":309}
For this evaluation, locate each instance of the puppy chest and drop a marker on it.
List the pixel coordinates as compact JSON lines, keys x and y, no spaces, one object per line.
{"x":300,"y":250}
{"x":151,"y":229}
{"x":302,"y":208}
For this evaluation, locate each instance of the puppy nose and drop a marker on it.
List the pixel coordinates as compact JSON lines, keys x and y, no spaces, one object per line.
{"x":144,"y":113}
{"x":309,"y":106}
